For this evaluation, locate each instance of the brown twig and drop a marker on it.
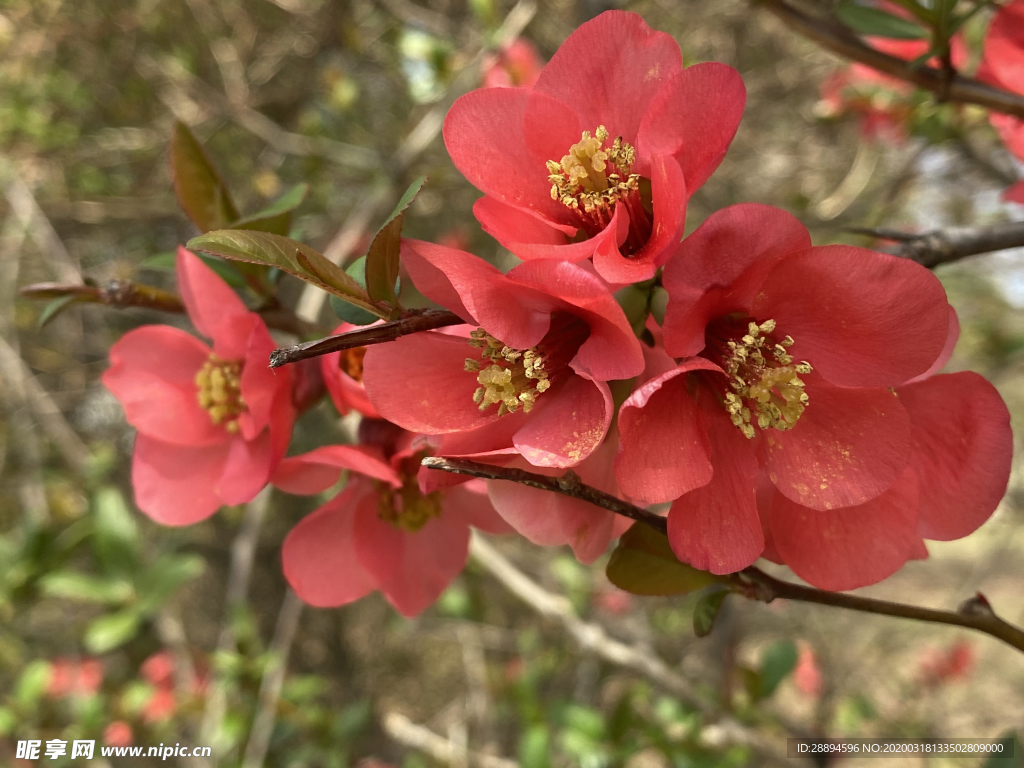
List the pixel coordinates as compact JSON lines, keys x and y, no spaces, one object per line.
{"x":751,"y":582}
{"x":422,"y":320}
{"x":941,"y":246}
{"x":840,"y":40}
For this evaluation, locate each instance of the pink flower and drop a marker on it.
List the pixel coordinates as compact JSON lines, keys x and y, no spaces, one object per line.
{"x":343,"y":377}
{"x":160,"y":706}
{"x":807,"y":674}
{"x":74,"y":677}
{"x":803,"y":421}
{"x":518,"y":63}
{"x":1003,"y":66}
{"x":158,"y":669}
{"x":118,"y":734}
{"x":211,"y":423}
{"x":599,"y":157}
{"x":532,"y":377}
{"x":945,"y":666}
{"x":388,"y":529}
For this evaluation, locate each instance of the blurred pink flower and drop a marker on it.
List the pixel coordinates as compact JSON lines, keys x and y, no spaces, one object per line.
{"x":807,"y":675}
{"x":74,"y":677}
{"x":614,"y":601}
{"x":160,"y":706}
{"x":1003,"y":66}
{"x":517,"y":64}
{"x":158,"y":669}
{"x":118,"y":734}
{"x":945,"y":666}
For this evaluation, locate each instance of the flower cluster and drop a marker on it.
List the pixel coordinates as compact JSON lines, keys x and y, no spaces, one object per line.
{"x":783,"y":398}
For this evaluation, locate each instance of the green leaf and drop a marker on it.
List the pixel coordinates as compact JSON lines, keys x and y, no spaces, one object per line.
{"x":706,"y":610}
{"x":534,"y":747}
{"x":32,"y":683}
{"x":643,"y":563}
{"x":55,"y":307}
{"x":168,"y":262}
{"x":351,"y":314}
{"x":165,"y":577}
{"x":110,"y":631}
{"x":73,"y":585}
{"x":115,"y":533}
{"x":865,"y":20}
{"x":779,"y":660}
{"x":276,"y":218}
{"x":383,"y":257}
{"x":200,"y":190}
{"x":289,"y":256}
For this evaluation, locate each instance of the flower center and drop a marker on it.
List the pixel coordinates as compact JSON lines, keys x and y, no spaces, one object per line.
{"x":219,"y":384}
{"x":351,"y":362}
{"x":592,"y":178}
{"x":408,"y":508}
{"x":765,"y":383}
{"x":513,"y":378}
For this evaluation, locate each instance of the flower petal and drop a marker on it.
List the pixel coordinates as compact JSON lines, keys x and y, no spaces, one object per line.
{"x":346,"y":393}
{"x":247,"y":469}
{"x":952,"y":336}
{"x":319,"y":469}
{"x":567,"y":424}
{"x":261,"y":384}
{"x":152,"y":372}
{"x":404,"y":379}
{"x":962,"y":451}
{"x":663,"y":452}
{"x":850,"y":445}
{"x":215,"y":309}
{"x":851,"y":547}
{"x":319,"y":555}
{"x":527,"y":236}
{"x":861,"y":318}
{"x":716,"y":527}
{"x":175,"y":484}
{"x":429,"y":266}
{"x":473,"y":507}
{"x":609,"y":70}
{"x":694,"y":117}
{"x":719,"y":267}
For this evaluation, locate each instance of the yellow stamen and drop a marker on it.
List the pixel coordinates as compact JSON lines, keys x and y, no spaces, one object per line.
{"x":408,"y":507}
{"x":592,"y":176}
{"x":512,"y":379}
{"x":219,"y":392}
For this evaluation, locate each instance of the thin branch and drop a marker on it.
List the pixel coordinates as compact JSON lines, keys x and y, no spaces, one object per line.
{"x":941,"y":246}
{"x":410,"y":734}
{"x":424,"y":320}
{"x":840,"y":40}
{"x":273,"y":679}
{"x":751,"y":582}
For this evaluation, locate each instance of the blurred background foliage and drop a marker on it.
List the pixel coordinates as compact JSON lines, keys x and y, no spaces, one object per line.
{"x":117,"y":629}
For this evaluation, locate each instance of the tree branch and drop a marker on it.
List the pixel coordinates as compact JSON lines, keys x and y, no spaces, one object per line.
{"x":751,"y":582}
{"x":422,"y":320}
{"x":831,"y":35}
{"x":941,"y":246}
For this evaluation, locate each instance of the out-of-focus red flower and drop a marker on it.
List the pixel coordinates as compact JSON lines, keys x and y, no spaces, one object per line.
{"x":517,"y":64}
{"x":160,"y":706}
{"x":614,"y":601}
{"x":118,"y":734}
{"x":343,"y":377}
{"x":390,"y":528}
{"x":599,"y":157}
{"x":158,"y":669}
{"x":74,"y":677}
{"x":946,"y":666}
{"x":1002,"y":65}
{"x":211,"y":423}
{"x":803,"y":422}
{"x":531,"y":379}
{"x":807,"y":675}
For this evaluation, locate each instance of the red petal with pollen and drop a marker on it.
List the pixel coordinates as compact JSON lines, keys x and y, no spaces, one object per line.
{"x":501,"y":139}
{"x":405,"y":377}
{"x":663,"y":452}
{"x":851,"y":547}
{"x":609,"y":70}
{"x":962,"y":451}
{"x":716,"y":527}
{"x":695,"y":118}
{"x":567,"y":424}
{"x":214,"y":309}
{"x":720,"y":266}
{"x":176,"y":484}
{"x":319,"y":469}
{"x":319,"y":555}
{"x":668,"y":194}
{"x":849,"y":446}
{"x":861,"y":318}
{"x":152,"y":372}
{"x":412,"y":569}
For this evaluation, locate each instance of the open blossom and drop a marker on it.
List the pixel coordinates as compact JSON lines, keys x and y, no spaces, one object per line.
{"x":1003,"y":66}
{"x":803,"y":421}
{"x":390,"y":528}
{"x":211,"y":423}
{"x":517,"y":63}
{"x":343,"y":377}
{"x":528,"y":372}
{"x":600,"y":156}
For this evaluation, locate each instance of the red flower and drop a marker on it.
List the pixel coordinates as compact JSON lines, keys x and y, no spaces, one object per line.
{"x":1003,"y":66}
{"x":118,"y":734}
{"x":389,"y":528}
{"x":158,"y":669}
{"x":74,"y":677}
{"x":803,"y":422}
{"x":807,"y":673}
{"x":600,"y":156}
{"x":343,"y":377}
{"x":211,"y":423}
{"x":945,"y":666}
{"x":518,"y":63}
{"x":549,"y":335}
